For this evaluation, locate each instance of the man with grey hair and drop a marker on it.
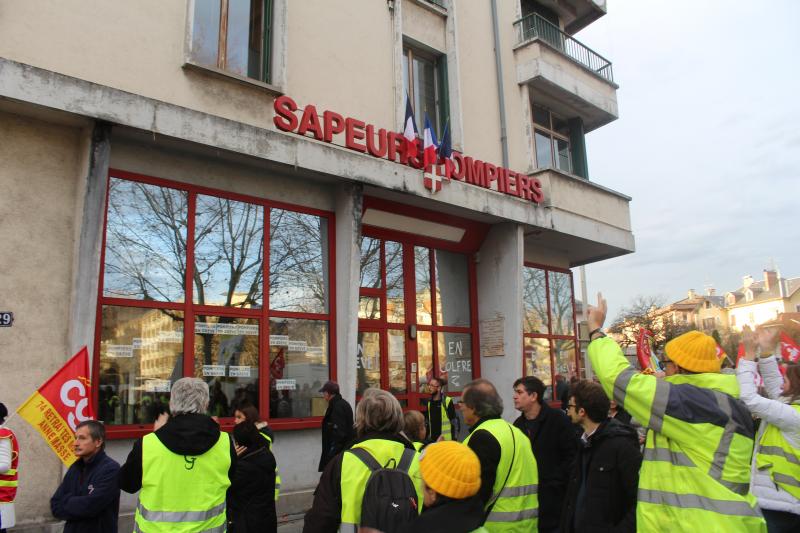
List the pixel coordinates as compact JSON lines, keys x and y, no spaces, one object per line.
{"x":183,"y":468}
{"x":509,"y":475}
{"x":337,"y":499}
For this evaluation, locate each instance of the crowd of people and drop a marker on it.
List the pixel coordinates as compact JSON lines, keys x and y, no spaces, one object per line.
{"x":717,"y":455}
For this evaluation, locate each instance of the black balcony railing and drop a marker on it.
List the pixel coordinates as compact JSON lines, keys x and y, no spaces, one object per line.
{"x":535,"y":27}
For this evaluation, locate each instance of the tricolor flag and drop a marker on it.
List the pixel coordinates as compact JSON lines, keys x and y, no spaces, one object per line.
{"x":410,"y":130}
{"x":429,"y":144}
{"x":445,"y":146}
{"x":59,"y":405}
{"x":790,"y":351}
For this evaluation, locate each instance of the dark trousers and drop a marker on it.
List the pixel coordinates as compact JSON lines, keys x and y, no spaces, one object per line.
{"x":781,"y":521}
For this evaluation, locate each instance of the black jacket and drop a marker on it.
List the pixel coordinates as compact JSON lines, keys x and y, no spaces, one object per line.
{"x":337,"y":429}
{"x":251,"y":498}
{"x":432,"y":409}
{"x":602,"y":489}
{"x":187,"y":434}
{"x":449,"y":516}
{"x":326,"y":511}
{"x":88,"y":498}
{"x":554,"y":445}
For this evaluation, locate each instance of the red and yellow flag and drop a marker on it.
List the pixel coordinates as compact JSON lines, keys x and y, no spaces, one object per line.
{"x":61,"y":404}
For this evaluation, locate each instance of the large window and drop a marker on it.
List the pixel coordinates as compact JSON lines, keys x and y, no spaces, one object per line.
{"x":240,"y":284}
{"x":233,"y":35}
{"x":549,"y":333}
{"x":425,"y":82}
{"x":551,"y":140}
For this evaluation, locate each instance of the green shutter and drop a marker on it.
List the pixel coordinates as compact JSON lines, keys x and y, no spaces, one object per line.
{"x":443,"y":104}
{"x":577,"y":146}
{"x":266,"y":50}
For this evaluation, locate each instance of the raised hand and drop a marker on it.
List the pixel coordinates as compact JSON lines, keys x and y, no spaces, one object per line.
{"x":750,"y":342}
{"x":767,"y":338}
{"x":597,"y":315}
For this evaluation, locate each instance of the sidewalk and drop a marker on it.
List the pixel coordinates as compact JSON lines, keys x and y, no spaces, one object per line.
{"x":290,"y":524}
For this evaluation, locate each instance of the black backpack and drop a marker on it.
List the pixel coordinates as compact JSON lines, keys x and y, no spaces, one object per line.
{"x":390,"y":499}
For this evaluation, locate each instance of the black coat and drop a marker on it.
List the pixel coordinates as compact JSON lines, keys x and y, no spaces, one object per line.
{"x":555,"y":445}
{"x":88,"y":498}
{"x":251,"y":498}
{"x":601,"y":495}
{"x":337,"y":429}
{"x":449,"y":516}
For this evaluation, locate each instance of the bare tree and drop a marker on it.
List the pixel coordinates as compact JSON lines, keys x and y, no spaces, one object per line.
{"x":647,"y":312}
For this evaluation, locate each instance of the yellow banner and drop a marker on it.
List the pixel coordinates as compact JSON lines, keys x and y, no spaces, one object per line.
{"x":41,"y":414}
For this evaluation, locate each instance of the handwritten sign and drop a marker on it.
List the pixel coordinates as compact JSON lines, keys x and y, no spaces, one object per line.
{"x":492,"y":333}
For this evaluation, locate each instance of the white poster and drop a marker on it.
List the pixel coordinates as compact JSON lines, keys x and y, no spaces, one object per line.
{"x":239,"y":371}
{"x":225,"y":329}
{"x":171,"y":336}
{"x":286,"y":384}
{"x":119,"y":350}
{"x":157,"y":385}
{"x":297,"y":346}
{"x":492,"y":333}
{"x":279,"y":340}
{"x":213,"y":370}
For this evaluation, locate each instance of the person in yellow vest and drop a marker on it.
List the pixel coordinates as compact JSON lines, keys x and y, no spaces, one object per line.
{"x":183,"y":468}
{"x":9,"y":460}
{"x":509,"y":475}
{"x":696,"y":468}
{"x":440,"y":413}
{"x":414,"y":428}
{"x":451,"y":477}
{"x":776,"y":461}
{"x":338,"y":496}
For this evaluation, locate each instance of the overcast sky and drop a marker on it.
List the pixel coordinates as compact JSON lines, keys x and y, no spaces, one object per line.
{"x":707,"y":143}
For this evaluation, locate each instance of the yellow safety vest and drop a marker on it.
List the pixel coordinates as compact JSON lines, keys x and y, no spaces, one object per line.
{"x":780,"y":458}
{"x":277,"y":472}
{"x":447,"y":432}
{"x":696,"y":468}
{"x":181,"y":493}
{"x":515,"y":496}
{"x":355,"y":475}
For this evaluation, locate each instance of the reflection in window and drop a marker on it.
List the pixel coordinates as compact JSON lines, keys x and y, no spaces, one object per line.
{"x":564,"y":357}
{"x":422,"y":273}
{"x":455,"y":359}
{"x":551,"y":140}
{"x":534,"y":297}
{"x":537,"y":359}
{"x":141,"y":355}
{"x":397,"y":361}
{"x":561,"y":303}
{"x":145,"y":242}
{"x":370,"y":263}
{"x":369,"y":307}
{"x":298,"y":260}
{"x":226,"y":357}
{"x":452,"y":289}
{"x":425,"y":359}
{"x":228,"y":251}
{"x":298,"y":353}
{"x":368,"y":361}
{"x":395,"y":299}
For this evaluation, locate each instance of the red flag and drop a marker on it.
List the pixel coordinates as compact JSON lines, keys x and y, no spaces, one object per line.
{"x":720,"y":352}
{"x":643,"y":351}
{"x":277,"y":365}
{"x":59,"y":405}
{"x":790,"y":351}
{"x":739,"y":353}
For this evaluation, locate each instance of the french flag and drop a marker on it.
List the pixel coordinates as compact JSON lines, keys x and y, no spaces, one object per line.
{"x":445,"y":146}
{"x":429,"y":144}
{"x":410,"y":131}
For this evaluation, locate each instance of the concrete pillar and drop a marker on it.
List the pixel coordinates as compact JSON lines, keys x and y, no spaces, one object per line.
{"x":348,"y":230}
{"x":499,"y":275}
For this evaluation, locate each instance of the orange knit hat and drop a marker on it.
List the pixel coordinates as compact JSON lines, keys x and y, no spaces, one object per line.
{"x":694,"y":351}
{"x":451,"y":469}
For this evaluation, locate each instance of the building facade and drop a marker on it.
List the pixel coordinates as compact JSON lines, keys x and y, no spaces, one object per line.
{"x":221,"y":189}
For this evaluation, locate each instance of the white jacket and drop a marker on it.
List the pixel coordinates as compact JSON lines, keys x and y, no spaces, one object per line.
{"x":7,"y":518}
{"x":772,"y":410}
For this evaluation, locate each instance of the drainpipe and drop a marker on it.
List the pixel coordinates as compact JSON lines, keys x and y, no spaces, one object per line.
{"x":500,"y":89}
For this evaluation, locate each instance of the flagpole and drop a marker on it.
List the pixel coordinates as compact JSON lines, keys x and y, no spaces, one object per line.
{"x":9,"y":417}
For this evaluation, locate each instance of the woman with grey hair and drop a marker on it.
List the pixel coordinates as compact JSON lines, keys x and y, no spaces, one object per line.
{"x":379,"y":423}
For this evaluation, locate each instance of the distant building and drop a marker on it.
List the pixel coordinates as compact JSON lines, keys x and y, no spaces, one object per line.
{"x":756,"y":302}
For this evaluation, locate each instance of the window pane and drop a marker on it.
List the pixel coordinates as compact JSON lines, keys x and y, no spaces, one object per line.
{"x":369,"y":307}
{"x":226,"y":356}
{"x":298,"y":353}
{"x":560,"y":126}
{"x":395,"y":297}
{"x":422,"y":274}
{"x":561,"y":303}
{"x":145,"y":242}
{"x":406,"y":90}
{"x":452,"y":289}
{"x":455,"y":359}
{"x":424,"y":359}
{"x":228,"y":252}
{"x":370,"y":262}
{"x":565,"y":359}
{"x":368,"y":361}
{"x":541,"y":116}
{"x":534,"y":297}
{"x":298,"y":272}
{"x":244,"y":37}
{"x":544,"y":155}
{"x":397,"y":361}
{"x":205,"y":32}
{"x":537,"y":359}
{"x":141,"y":355}
{"x":562,"y":152}
{"x":424,"y":91}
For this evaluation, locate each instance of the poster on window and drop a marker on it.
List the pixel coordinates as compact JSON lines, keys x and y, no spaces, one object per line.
{"x":157,"y":385}
{"x":213,"y":371}
{"x":285,"y":384}
{"x":238,"y":371}
{"x":119,"y":350}
{"x":279,"y":340}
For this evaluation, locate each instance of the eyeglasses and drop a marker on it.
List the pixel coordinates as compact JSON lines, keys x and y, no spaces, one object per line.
{"x":571,"y":406}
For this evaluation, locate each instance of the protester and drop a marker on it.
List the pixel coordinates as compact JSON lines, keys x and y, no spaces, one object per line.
{"x":618,"y":413}
{"x":440,"y":413}
{"x":248,"y":412}
{"x":451,"y":477}
{"x":561,"y":391}
{"x":9,"y":461}
{"x":337,"y":425}
{"x":251,"y":505}
{"x":695,"y":471}
{"x":88,"y":497}
{"x":554,"y":444}
{"x":414,"y":428}
{"x":339,"y":494}
{"x":509,"y":476}
{"x":775,"y":469}
{"x":183,"y":468}
{"x":602,"y":487}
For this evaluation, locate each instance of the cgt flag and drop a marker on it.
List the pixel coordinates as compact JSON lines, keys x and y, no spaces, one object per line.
{"x":790,"y":351}
{"x":644,"y":351}
{"x":61,"y":404}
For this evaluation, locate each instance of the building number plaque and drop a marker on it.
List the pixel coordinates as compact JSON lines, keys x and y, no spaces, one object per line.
{"x":6,"y":319}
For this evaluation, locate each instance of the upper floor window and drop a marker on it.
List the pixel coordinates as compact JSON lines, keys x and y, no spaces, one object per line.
{"x":233,"y":35}
{"x":425,"y":82}
{"x":748,"y":296}
{"x":551,"y":140}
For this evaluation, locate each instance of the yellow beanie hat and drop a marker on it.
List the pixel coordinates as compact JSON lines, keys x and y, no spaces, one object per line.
{"x":451,"y":469}
{"x":694,"y":351}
